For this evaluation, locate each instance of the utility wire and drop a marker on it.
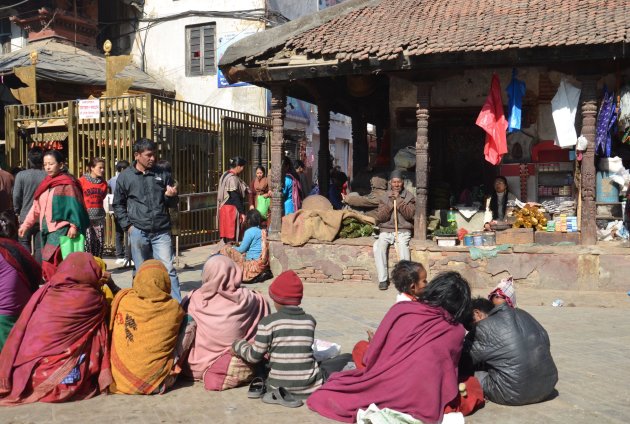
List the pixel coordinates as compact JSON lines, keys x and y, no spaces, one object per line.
{"x":13,"y":5}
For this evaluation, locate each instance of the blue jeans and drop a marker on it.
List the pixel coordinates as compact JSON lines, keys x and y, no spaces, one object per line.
{"x":145,"y":246}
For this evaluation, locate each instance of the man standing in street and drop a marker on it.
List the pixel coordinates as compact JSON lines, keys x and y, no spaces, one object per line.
{"x":141,"y":201}
{"x":121,"y":251}
{"x":26,"y":182}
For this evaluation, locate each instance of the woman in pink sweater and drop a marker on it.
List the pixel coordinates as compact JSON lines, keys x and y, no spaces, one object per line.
{"x":58,"y":207}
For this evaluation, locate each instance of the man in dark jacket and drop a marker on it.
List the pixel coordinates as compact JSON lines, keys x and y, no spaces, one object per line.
{"x":388,"y":219}
{"x":513,"y":349}
{"x":142,"y":197}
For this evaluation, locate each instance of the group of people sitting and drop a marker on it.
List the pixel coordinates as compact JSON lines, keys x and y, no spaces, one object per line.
{"x":71,"y":341}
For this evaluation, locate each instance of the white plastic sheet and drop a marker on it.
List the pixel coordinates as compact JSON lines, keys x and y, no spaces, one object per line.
{"x":563,"y":109}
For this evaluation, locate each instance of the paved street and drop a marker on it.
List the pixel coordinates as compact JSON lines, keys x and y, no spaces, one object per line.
{"x":590,"y":342}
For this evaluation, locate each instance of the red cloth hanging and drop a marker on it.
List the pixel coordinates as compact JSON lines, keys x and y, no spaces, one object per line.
{"x":493,"y":122}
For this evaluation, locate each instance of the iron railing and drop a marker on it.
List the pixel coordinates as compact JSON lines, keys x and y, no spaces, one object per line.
{"x":195,"y":139}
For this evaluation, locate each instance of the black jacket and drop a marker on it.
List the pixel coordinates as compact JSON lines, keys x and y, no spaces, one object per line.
{"x":139,"y":199}
{"x":515,"y":350}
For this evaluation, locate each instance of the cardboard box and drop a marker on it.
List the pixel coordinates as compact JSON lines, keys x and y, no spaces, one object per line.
{"x":515,"y":236}
{"x":543,"y":237}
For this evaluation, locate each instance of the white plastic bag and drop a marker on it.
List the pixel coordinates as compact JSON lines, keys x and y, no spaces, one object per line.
{"x":323,"y":350}
{"x":582,"y":143}
{"x":405,"y":158}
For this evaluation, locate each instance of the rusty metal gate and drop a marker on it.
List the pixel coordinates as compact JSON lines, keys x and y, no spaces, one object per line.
{"x":194,"y":138}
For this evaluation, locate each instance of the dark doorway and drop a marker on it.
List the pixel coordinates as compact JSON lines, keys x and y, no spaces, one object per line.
{"x":457,"y":161}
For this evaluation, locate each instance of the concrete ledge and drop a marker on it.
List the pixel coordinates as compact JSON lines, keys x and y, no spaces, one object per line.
{"x":584,"y":268}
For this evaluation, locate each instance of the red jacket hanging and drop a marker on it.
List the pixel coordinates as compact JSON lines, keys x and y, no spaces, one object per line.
{"x":493,"y":122}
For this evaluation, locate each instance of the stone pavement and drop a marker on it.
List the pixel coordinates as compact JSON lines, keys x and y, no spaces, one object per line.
{"x":590,"y":340}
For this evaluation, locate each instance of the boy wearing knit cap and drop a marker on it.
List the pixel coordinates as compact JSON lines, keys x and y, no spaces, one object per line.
{"x":287,"y":336}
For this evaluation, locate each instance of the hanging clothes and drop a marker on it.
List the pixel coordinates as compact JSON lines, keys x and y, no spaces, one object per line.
{"x":606,"y":119}
{"x":492,"y":120}
{"x":563,"y":110}
{"x":515,"y":92}
{"x":624,"y":107}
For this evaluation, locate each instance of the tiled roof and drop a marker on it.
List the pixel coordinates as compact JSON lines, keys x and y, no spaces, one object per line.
{"x":388,"y":28}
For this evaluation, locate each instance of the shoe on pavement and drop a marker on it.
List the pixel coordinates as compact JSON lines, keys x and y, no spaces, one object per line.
{"x":120,"y":261}
{"x":383,"y":285}
{"x":281,"y":396}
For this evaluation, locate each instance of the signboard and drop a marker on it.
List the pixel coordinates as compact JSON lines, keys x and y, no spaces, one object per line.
{"x":89,"y":109}
{"x":225,"y":40}
{"x":323,"y":4}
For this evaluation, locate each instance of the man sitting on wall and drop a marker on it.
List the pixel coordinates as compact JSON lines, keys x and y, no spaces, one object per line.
{"x":511,"y":352}
{"x":395,"y":219}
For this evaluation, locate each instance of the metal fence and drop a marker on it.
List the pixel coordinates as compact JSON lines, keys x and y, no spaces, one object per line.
{"x":195,"y":139}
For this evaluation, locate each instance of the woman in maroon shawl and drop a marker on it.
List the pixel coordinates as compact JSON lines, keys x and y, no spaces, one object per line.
{"x":20,"y":275}
{"x":58,"y":349}
{"x":411,"y":364}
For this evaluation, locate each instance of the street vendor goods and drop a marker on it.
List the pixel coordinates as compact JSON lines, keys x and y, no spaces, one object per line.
{"x":530,"y":217}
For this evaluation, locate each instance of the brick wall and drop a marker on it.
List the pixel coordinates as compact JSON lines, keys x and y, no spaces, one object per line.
{"x":544,"y":267}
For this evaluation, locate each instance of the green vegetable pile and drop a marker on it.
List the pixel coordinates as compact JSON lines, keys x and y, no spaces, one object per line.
{"x":451,"y":230}
{"x":353,"y":228}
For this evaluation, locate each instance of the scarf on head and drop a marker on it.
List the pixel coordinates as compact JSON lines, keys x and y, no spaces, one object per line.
{"x":410,"y":366}
{"x":61,"y":329}
{"x":224,"y":311}
{"x":29,"y":271}
{"x":144,"y":324}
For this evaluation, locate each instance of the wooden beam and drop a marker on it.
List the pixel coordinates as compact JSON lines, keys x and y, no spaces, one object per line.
{"x":278,"y":103}
{"x":588,"y":225}
{"x":422,"y":160}
{"x":360,"y":153}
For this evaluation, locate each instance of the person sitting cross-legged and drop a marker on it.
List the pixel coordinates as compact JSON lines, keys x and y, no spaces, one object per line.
{"x":145,"y":324}
{"x":252,"y":255}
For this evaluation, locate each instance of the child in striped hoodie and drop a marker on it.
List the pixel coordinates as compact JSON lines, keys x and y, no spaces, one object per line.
{"x":287,"y":336}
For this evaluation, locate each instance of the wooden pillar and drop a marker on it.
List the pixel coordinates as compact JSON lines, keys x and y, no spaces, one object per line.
{"x":588,"y":226}
{"x":323,"y":121}
{"x":278,"y":103}
{"x":422,"y":160}
{"x":360,"y":153}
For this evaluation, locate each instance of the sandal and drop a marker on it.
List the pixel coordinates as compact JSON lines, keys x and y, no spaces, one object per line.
{"x":256,"y":388}
{"x":281,"y":396}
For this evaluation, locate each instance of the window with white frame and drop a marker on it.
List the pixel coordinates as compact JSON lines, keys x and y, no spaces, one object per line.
{"x":200,"y":49}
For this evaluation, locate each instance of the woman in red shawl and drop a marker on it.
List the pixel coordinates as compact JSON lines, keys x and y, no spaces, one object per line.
{"x":20,"y":275}
{"x":58,"y":349}
{"x":59,"y":208}
{"x":411,"y":364}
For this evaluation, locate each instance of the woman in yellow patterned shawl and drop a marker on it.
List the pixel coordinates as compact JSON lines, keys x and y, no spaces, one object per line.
{"x":144,"y":323}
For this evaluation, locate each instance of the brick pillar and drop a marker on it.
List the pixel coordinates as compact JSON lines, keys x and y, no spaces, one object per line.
{"x":422,"y":160}
{"x":360,"y":153}
{"x":588,"y":227}
{"x":323,"y":121}
{"x":278,"y":103}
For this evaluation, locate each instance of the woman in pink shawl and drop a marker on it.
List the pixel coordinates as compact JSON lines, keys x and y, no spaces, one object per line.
{"x":58,"y":349}
{"x":223,"y":311}
{"x":411,"y":363}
